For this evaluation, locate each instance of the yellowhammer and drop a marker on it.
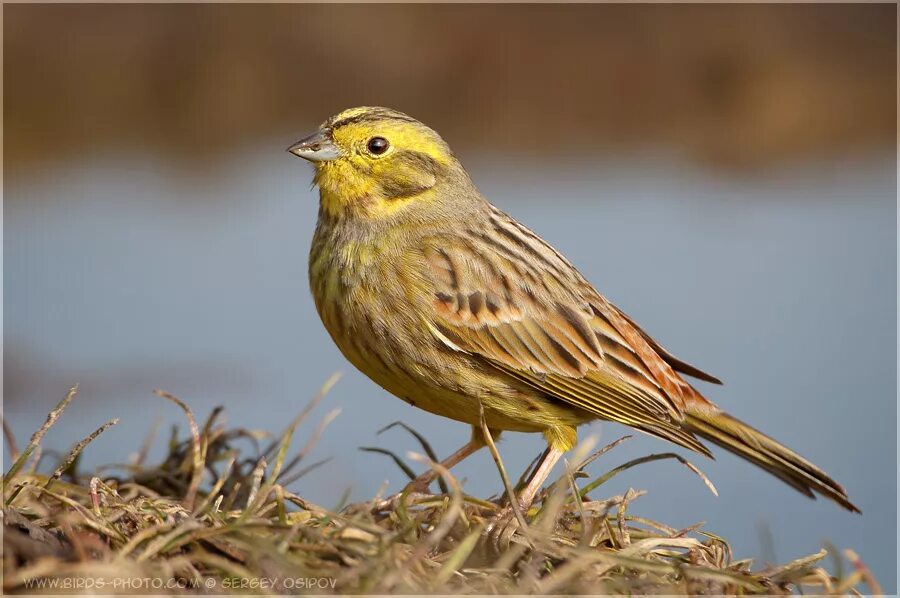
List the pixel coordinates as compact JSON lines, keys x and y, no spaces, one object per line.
{"x":448,"y":303}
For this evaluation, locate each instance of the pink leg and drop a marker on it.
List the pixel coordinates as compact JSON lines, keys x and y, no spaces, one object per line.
{"x":421,"y":483}
{"x":503,"y":524}
{"x":526,"y":497}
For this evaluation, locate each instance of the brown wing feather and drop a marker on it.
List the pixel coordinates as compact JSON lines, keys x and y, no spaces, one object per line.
{"x":677,"y":365}
{"x":519,"y":305}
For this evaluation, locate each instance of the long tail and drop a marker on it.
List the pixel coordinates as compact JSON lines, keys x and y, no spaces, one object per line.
{"x":751,"y":444}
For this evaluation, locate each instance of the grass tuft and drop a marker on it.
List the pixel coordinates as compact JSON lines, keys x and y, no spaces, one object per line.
{"x":215,"y":516}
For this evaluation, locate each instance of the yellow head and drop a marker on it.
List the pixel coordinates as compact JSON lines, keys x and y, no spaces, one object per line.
{"x":375,"y":162}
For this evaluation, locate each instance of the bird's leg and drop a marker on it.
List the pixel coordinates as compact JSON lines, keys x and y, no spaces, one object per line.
{"x":526,"y":496}
{"x":419,"y":486}
{"x":504,"y":524}
{"x":477,"y":442}
{"x":421,"y":483}
{"x":529,"y":471}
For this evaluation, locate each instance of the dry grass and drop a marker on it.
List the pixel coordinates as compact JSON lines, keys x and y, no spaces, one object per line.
{"x":211,"y":518}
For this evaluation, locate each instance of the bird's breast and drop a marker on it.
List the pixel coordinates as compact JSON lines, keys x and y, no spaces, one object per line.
{"x":364,"y":296}
{"x":372,"y":297}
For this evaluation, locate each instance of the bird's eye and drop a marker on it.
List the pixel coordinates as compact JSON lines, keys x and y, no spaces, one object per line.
{"x":377,"y":145}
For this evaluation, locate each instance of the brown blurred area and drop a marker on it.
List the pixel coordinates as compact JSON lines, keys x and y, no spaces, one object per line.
{"x":728,"y":85}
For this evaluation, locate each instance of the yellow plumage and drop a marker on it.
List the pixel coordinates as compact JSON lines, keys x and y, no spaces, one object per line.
{"x":450,"y":304}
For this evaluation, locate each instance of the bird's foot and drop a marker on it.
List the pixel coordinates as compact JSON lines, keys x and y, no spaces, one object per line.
{"x":500,"y":529}
{"x":414,"y":490}
{"x":392,"y":502}
{"x":420,"y":485}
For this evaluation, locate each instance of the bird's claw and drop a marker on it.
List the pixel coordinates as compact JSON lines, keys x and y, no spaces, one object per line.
{"x":417,"y":486}
{"x":391,"y":503}
{"x":501,"y":528}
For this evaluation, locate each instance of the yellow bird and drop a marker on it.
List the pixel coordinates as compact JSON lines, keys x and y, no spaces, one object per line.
{"x":447,"y":302}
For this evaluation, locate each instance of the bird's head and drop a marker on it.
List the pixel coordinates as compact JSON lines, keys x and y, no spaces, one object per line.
{"x":377,"y":161}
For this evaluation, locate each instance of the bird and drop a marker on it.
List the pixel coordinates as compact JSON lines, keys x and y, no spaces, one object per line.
{"x":457,"y":308}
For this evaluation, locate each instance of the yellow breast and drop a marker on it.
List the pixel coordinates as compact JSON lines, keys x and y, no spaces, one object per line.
{"x":373,"y":299}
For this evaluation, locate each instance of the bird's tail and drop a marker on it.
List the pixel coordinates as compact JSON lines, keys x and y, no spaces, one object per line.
{"x":751,"y":444}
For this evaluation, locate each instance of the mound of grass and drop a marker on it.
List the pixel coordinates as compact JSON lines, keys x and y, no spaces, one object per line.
{"x":211,"y":518}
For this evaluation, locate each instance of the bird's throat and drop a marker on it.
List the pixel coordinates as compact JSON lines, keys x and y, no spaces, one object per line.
{"x":342,"y":188}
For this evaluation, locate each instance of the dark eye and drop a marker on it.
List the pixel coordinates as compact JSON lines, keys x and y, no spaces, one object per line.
{"x":377,"y":145}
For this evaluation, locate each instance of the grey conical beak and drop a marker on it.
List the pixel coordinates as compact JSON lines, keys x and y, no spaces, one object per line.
{"x":318,"y":147}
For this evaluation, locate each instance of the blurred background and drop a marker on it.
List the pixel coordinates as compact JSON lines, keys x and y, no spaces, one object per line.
{"x":725,"y":174}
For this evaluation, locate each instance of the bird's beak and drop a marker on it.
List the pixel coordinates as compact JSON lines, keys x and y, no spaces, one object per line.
{"x":318,"y":147}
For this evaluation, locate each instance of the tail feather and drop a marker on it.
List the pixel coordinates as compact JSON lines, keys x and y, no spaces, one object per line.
{"x":754,"y":446}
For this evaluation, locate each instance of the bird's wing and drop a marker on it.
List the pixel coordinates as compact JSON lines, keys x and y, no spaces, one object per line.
{"x":509,"y":298}
{"x":678,"y":365}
